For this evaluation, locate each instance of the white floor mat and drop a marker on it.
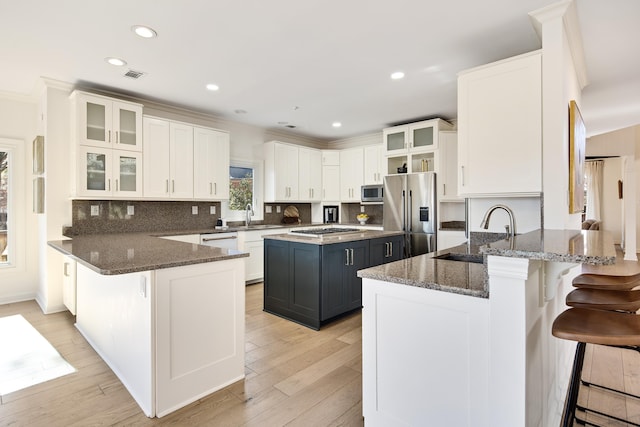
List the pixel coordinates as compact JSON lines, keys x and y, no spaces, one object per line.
{"x":26,"y":357}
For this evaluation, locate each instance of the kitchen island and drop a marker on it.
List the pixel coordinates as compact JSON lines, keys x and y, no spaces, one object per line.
{"x":449,"y":342}
{"x":311,"y":279}
{"x":166,"y":316}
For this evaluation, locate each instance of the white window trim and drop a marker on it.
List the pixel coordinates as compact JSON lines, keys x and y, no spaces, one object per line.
{"x":15,"y":211}
{"x":258,"y":201}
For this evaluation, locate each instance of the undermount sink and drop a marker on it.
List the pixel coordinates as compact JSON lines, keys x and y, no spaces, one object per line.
{"x":475,"y":258}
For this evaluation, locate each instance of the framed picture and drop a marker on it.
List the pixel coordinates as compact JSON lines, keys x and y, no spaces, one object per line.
{"x":577,"y":147}
{"x":38,"y":155}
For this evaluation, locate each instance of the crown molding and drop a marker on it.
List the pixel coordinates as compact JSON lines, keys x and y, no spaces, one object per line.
{"x":565,"y":10}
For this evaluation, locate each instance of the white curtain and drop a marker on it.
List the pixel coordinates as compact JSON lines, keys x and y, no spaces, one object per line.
{"x":593,"y":172}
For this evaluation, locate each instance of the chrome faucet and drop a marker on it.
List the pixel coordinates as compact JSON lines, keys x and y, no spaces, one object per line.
{"x":249,"y":213}
{"x":511,"y":228}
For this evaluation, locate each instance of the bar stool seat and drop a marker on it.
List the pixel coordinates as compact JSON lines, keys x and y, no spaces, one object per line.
{"x":601,"y":281}
{"x":604,"y":299}
{"x":594,"y":327}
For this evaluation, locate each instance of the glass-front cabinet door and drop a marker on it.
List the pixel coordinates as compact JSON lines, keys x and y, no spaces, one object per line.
{"x":94,"y":174}
{"x":127,"y":125}
{"x":395,"y":139}
{"x":106,"y":122}
{"x":95,"y":121}
{"x":422,"y":137}
{"x":128,"y":173}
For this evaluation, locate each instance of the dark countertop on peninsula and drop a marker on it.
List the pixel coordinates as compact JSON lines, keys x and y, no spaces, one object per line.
{"x":572,"y":246}
{"x":111,"y":254}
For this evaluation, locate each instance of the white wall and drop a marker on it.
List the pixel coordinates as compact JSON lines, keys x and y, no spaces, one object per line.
{"x":611,"y":205}
{"x":18,"y":121}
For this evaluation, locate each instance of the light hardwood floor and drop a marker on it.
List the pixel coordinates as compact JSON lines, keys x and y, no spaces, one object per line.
{"x":295,"y":377}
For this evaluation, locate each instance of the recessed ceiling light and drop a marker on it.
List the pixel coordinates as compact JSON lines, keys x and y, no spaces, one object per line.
{"x":212,"y":87}
{"x":143,"y":31}
{"x":116,"y":61}
{"x":336,"y":124}
{"x":397,"y":75}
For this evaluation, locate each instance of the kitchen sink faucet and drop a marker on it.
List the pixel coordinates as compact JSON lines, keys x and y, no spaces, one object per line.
{"x":511,"y":228}
{"x":249,"y":213}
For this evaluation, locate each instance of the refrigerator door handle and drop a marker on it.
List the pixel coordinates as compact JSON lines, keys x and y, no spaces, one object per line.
{"x":404,"y":212}
{"x":409,"y":219}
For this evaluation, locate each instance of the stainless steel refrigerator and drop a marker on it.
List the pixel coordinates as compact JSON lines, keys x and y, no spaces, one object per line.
{"x":410,"y":206}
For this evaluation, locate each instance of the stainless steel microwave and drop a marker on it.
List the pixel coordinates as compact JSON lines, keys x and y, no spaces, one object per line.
{"x":371,"y":194}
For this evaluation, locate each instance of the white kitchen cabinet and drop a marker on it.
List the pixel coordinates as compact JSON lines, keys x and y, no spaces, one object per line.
{"x":374,"y":169}
{"x":211,"y":164}
{"x":330,"y":158}
{"x":69,"y":283}
{"x":103,"y":172}
{"x":331,"y":183}
{"x":168,"y":159}
{"x":500,"y":128}
{"x":309,"y":175}
{"x":447,"y":168}
{"x":280,"y":172}
{"x":351,"y":174}
{"x":107,"y":122}
{"x":414,"y":137}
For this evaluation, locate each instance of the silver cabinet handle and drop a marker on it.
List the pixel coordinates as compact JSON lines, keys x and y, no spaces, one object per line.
{"x":462,"y":174}
{"x":351,"y":251}
{"x":109,"y":136}
{"x":347,"y":253}
{"x":210,"y":239}
{"x":215,"y":188}
{"x":166,"y":186}
{"x":210,"y":188}
{"x":109,"y":185}
{"x":117,"y":139}
{"x":173,"y":186}
{"x":117,"y":185}
{"x":66,"y":269}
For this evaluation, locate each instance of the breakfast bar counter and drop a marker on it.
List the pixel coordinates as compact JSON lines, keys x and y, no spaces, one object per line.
{"x":480,"y":333}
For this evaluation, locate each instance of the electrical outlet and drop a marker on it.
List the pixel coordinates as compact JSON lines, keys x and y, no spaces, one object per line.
{"x":267,"y":209}
{"x":361,"y":208}
{"x":212,"y":210}
{"x":194,"y":210}
{"x":130,"y":210}
{"x":95,"y":210}
{"x":277,"y":209}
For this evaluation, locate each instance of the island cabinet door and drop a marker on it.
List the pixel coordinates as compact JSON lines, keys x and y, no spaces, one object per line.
{"x":341,"y":286}
{"x":386,"y":249}
{"x":276,"y":275}
{"x":304,"y":289}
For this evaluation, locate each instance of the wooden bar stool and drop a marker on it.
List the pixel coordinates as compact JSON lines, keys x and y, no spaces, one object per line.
{"x":602,"y":281}
{"x":604,"y":299}
{"x":593,"y":327}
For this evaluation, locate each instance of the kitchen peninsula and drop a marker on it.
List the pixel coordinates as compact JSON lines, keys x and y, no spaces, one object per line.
{"x":310,"y":275}
{"x":448,"y":342}
{"x":166,"y":316}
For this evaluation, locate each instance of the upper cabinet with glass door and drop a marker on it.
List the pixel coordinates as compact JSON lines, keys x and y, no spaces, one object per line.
{"x":416,"y":137}
{"x":107,"y":122}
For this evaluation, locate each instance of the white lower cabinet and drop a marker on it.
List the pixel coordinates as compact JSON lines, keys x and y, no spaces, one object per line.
{"x":69,"y":283}
{"x":172,"y":336}
{"x":253,"y":242}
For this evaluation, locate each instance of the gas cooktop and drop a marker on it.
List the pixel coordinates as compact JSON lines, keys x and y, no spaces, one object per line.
{"x":319,"y":232}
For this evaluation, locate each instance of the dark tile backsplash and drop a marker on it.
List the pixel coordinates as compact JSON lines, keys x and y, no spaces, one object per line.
{"x":148,"y":216}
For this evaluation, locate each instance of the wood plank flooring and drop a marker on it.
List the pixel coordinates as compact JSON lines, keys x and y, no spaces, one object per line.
{"x":295,"y":377}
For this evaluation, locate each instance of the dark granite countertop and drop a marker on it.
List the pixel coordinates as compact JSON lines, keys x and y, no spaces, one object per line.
{"x":426,"y":271}
{"x":110,"y":254}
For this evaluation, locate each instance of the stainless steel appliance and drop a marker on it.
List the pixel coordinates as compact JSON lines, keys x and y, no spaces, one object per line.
{"x":371,"y":193}
{"x":330,"y":214}
{"x":410,"y":206}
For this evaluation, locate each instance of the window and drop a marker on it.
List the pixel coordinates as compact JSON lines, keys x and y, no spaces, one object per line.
{"x":4,"y":204}
{"x":245,"y":187}
{"x":241,"y":188}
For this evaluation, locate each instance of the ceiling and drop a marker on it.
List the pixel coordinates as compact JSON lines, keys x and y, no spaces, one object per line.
{"x":308,"y":63}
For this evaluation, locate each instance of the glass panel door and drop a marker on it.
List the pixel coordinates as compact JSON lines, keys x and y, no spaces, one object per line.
{"x":127,"y":131}
{"x":128,"y":172}
{"x":96,"y":171}
{"x":395,"y":141}
{"x":96,"y":122}
{"x":423,"y":137}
